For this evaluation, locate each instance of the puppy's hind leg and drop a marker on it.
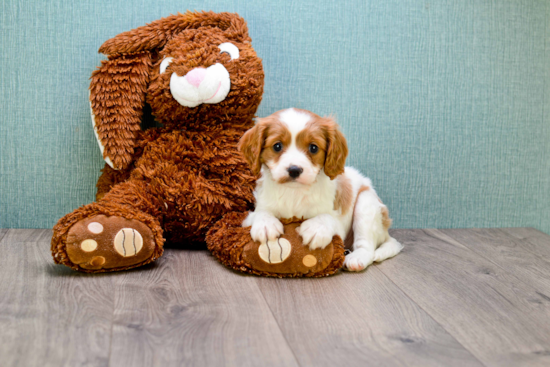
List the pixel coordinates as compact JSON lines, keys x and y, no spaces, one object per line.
{"x":368,"y":232}
{"x":388,"y":249}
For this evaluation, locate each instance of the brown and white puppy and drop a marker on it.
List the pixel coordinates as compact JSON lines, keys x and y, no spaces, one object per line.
{"x":301,"y":157}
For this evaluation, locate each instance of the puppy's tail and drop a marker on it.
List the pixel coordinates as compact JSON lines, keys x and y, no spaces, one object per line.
{"x":388,"y":249}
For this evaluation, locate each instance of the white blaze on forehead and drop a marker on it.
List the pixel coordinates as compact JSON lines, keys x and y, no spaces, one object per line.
{"x":295,"y":120}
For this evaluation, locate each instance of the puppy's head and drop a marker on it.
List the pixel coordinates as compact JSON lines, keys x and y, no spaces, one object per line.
{"x":295,"y":145}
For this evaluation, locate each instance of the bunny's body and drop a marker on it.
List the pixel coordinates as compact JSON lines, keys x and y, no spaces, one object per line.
{"x":204,"y":82}
{"x":192,"y":179}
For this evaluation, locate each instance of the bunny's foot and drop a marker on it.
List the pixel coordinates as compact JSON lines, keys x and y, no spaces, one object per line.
{"x":109,"y":242}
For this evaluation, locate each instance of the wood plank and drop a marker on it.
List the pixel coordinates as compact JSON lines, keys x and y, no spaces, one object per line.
{"x":532,"y":240}
{"x":50,"y":315}
{"x":359,"y":319}
{"x":3,"y":232}
{"x":500,"y":319}
{"x":189,"y":310}
{"x":513,"y":254}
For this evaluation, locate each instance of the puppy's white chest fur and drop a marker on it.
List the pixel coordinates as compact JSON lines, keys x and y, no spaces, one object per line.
{"x":294,"y":199}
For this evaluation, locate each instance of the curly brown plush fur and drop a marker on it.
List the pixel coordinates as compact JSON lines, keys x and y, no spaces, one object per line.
{"x":180,"y":178}
{"x":232,"y":245}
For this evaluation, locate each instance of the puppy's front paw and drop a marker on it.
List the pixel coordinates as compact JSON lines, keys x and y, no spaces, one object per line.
{"x":316,"y":233}
{"x":266,"y":228}
{"x":358,"y":260}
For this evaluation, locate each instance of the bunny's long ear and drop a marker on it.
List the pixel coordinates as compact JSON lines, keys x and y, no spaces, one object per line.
{"x":117,"y":97}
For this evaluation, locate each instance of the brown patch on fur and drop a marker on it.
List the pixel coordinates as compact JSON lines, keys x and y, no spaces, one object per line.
{"x":277,"y":132}
{"x":285,"y":180}
{"x":348,"y":242}
{"x":337,"y":150}
{"x":361,"y":189}
{"x":257,"y":143}
{"x":344,"y":194}
{"x":314,"y":133}
{"x":333,"y":148}
{"x":386,"y":220}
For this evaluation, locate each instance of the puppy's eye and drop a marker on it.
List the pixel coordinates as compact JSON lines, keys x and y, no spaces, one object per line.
{"x":313,"y":148}
{"x":278,"y":147}
{"x":164,"y":64}
{"x":229,"y":49}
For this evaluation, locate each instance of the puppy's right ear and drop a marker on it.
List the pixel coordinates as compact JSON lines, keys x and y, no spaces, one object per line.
{"x":252,"y":143}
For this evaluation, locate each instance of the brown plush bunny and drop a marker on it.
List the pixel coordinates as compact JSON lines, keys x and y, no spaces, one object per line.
{"x":204,"y":82}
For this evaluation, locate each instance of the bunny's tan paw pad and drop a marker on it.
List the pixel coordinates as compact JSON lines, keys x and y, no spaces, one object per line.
{"x":102,"y":242}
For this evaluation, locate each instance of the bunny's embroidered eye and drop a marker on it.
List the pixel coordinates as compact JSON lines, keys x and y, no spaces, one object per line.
{"x":164,"y":64}
{"x":229,"y":49}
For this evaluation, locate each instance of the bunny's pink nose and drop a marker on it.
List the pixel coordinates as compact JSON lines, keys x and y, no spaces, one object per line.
{"x":196,"y":76}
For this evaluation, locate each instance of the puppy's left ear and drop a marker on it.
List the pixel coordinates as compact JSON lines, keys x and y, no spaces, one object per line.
{"x":337,"y":150}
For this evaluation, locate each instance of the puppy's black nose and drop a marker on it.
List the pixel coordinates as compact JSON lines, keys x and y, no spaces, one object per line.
{"x":295,"y":171}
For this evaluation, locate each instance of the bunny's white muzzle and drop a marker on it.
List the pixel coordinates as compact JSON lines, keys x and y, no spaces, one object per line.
{"x":200,"y":85}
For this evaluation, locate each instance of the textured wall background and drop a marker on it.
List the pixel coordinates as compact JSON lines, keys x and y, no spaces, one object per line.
{"x":445,"y":103}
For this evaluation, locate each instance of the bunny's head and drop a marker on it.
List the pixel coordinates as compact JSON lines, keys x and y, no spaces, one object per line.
{"x":197,"y":71}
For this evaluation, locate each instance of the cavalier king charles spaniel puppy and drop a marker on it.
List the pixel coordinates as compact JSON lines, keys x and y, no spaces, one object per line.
{"x":301,"y":157}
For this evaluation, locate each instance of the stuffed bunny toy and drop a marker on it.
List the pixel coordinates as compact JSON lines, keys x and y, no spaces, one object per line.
{"x":203,"y":82}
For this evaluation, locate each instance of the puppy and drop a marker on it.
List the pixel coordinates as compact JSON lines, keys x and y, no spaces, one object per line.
{"x":301,"y":158}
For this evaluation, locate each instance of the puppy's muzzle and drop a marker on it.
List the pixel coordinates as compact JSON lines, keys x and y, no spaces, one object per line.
{"x":295,"y":171}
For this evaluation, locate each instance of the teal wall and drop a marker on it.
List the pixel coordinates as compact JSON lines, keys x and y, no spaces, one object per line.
{"x":445,"y":103}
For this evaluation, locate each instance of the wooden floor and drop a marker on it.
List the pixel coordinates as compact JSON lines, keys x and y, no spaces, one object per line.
{"x":452,"y":298}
